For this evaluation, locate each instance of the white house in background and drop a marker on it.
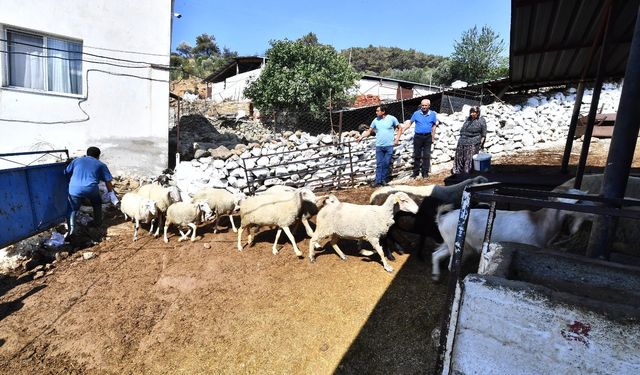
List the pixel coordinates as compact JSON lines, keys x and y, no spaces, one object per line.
{"x":78,"y":73}
{"x":229,"y":82}
{"x":391,"y":89}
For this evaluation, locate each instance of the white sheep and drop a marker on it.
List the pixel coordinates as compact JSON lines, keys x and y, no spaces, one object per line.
{"x":627,"y":237}
{"x":536,"y":228}
{"x":184,"y":214}
{"x":280,"y":209}
{"x":358,"y":222}
{"x":222,"y":203}
{"x":309,"y":208}
{"x":139,"y":208}
{"x":163,"y":197}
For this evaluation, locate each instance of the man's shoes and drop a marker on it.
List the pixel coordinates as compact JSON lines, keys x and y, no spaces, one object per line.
{"x":384,"y":183}
{"x":414,"y":176}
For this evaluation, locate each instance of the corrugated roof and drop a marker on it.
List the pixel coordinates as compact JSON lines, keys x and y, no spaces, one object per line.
{"x":551,"y":40}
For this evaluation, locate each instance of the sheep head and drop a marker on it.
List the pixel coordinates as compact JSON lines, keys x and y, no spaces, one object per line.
{"x":578,"y":217}
{"x":204,"y":207}
{"x":404,"y":203}
{"x":149,"y":206}
{"x":174,"y":194}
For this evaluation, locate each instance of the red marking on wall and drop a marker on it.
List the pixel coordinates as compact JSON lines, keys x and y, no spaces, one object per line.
{"x":577,"y":331}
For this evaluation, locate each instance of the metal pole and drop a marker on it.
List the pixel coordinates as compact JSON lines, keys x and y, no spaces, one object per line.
{"x":597,"y":88}
{"x":178,"y":136}
{"x":623,"y":143}
{"x":572,"y":128}
{"x":350,"y":162}
{"x":453,"y":283}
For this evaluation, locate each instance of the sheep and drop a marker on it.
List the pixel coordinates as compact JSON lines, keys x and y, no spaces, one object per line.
{"x":184,"y":214}
{"x":308,"y":209}
{"x":626,"y":238}
{"x":273,"y":209}
{"x":163,"y":197}
{"x":139,"y":208}
{"x":536,"y":228}
{"x":221,"y":202}
{"x":351,"y":221}
{"x":429,"y":198}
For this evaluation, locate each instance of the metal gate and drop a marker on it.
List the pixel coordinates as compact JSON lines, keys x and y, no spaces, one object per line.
{"x":33,"y":198}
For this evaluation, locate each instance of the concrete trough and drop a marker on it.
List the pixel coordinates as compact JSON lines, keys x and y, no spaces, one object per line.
{"x":532,"y":311}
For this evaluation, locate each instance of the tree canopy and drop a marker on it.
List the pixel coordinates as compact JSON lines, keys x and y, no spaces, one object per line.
{"x":301,"y":75}
{"x":201,"y":60}
{"x":477,"y":56}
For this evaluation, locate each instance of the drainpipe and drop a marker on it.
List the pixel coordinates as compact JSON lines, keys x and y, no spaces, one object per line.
{"x":623,"y":144}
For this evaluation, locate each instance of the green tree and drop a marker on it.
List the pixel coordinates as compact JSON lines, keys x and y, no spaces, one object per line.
{"x":477,"y":56}
{"x":310,"y":39}
{"x":184,"y":49}
{"x":206,"y":46}
{"x":300,"y":77}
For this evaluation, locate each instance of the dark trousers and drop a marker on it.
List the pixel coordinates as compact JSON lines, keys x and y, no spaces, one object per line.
{"x":75,"y":202}
{"x":383,"y":163}
{"x":422,"y":154}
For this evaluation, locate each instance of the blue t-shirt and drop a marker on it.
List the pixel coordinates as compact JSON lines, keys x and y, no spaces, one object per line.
{"x":424,"y":121}
{"x":385,"y":130}
{"x":86,"y":172}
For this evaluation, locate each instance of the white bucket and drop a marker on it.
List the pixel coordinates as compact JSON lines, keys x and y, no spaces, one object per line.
{"x":482,"y":162}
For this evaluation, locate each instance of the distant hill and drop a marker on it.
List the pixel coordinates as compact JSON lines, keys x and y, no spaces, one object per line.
{"x":379,"y":60}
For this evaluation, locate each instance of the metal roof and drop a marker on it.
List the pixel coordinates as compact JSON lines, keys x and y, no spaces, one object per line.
{"x":552,"y":40}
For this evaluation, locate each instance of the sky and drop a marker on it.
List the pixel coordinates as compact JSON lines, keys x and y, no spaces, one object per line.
{"x":427,"y":26}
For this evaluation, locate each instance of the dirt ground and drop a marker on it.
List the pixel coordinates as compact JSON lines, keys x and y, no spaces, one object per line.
{"x":206,"y":308}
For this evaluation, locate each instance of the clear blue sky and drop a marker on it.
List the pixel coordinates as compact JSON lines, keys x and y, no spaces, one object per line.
{"x":427,"y":26}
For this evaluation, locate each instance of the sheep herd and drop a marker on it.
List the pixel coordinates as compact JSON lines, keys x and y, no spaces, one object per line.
{"x":428,"y":211}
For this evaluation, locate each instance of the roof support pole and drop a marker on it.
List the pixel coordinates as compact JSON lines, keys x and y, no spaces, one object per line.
{"x":597,"y":88}
{"x":623,"y":144}
{"x":572,"y":128}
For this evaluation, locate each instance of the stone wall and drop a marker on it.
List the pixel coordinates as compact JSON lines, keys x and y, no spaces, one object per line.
{"x":237,"y":149}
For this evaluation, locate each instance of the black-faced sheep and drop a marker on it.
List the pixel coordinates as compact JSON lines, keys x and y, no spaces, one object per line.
{"x":164,"y":197}
{"x":222,"y":203}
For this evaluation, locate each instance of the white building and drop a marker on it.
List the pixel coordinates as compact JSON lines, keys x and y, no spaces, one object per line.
{"x":80,"y":73}
{"x":391,"y":89}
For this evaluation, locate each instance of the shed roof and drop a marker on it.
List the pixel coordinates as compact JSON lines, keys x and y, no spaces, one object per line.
{"x":552,"y":40}
{"x":237,"y":65}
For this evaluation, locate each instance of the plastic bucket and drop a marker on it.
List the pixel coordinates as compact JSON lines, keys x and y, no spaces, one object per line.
{"x":482,"y":162}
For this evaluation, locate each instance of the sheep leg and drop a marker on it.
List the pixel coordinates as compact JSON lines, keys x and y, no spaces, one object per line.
{"x":287,"y":231}
{"x":334,"y":244}
{"x":151,"y":226}
{"x":215,"y":224}
{"x":250,"y":235}
{"x":136,"y":225}
{"x":233,"y":225}
{"x":193,"y":235}
{"x":240,"y":238}
{"x":160,"y":217}
{"x":166,"y":226}
{"x":307,"y":227}
{"x":274,"y":249}
{"x":183,"y":236}
{"x":441,"y":252}
{"x":376,"y":245}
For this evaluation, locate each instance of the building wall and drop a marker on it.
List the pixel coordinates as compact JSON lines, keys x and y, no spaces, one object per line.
{"x":388,"y":90}
{"x":124,"y":107}
{"x":232,"y":89}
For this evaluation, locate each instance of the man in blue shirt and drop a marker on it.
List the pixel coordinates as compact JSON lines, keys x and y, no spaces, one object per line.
{"x":426,"y":124}
{"x":86,"y":172}
{"x":387,"y":135}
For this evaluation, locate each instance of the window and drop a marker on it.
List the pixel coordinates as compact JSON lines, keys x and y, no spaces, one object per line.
{"x":44,"y":63}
